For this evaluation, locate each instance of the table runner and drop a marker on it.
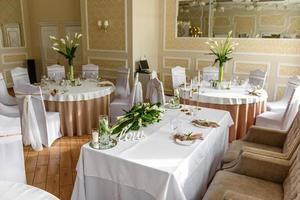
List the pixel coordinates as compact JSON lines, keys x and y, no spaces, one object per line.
{"x":155,"y":167}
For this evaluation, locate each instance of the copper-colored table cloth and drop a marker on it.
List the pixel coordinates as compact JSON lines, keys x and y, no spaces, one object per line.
{"x":79,"y":107}
{"x":242,"y":106}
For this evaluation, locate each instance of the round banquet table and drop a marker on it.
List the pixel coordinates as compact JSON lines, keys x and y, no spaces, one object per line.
{"x":79,"y":106}
{"x":242,"y":106}
{"x":20,"y":191}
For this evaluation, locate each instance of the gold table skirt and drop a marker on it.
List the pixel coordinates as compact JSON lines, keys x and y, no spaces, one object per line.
{"x":243,"y":115}
{"x":79,"y":117}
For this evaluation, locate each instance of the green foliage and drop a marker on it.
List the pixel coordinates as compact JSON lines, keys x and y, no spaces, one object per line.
{"x":140,"y":115}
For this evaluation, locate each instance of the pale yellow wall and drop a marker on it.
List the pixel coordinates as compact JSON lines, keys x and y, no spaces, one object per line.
{"x":109,"y":49}
{"x":145,"y":31}
{"x":16,"y":57}
{"x":271,"y":54}
{"x":50,"y":12}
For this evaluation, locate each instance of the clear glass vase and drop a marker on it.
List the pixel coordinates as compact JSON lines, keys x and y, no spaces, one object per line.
{"x":104,"y":130}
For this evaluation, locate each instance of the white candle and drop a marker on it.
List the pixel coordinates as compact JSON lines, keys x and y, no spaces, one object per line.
{"x":198,"y":76}
{"x":95,"y":136}
{"x":191,"y":83}
{"x":184,"y":85}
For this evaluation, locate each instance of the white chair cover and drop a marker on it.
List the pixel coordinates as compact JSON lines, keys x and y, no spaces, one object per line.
{"x":155,"y":91}
{"x":5,"y":98}
{"x":90,"y":71}
{"x":9,"y":111}
{"x":12,"y":167}
{"x":153,"y":74}
{"x":293,"y":82}
{"x":20,"y":76}
{"x":257,"y":78}
{"x":178,"y":76}
{"x":56,"y":72}
{"x":210,"y":73}
{"x":38,"y":126}
{"x":281,"y":119}
{"x":122,"y":84}
{"x":118,"y":105}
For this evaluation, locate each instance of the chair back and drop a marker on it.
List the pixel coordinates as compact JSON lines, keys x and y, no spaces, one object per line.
{"x":210,"y":73}
{"x":56,"y":72}
{"x":178,"y":76}
{"x":153,"y":74}
{"x":257,"y":78}
{"x":136,"y":95}
{"x":122,"y":84}
{"x":155,"y":91}
{"x":20,"y":76}
{"x":293,"y":136}
{"x":293,"y":82}
{"x":90,"y":71}
{"x":38,"y":111}
{"x":5,"y":98}
{"x":291,"y":109}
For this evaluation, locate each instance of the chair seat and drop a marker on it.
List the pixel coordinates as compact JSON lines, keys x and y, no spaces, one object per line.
{"x":227,"y":181}
{"x":270,"y":119}
{"x":236,"y":147}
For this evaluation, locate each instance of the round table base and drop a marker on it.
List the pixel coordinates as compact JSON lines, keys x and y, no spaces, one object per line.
{"x":79,"y":117}
{"x":243,"y":115}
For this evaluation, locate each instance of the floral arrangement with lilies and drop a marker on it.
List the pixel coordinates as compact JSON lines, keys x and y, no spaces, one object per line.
{"x":222,"y":51}
{"x":67,"y":47}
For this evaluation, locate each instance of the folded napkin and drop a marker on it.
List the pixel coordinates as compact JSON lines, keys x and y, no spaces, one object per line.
{"x":254,"y":93}
{"x":54,"y":92}
{"x":206,"y":123}
{"x":105,"y":83}
{"x":188,"y":136}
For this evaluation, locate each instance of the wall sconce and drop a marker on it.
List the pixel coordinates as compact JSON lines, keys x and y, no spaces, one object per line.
{"x":103,"y":24}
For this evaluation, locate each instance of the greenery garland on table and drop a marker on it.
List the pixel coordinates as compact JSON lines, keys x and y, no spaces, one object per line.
{"x":140,"y":115}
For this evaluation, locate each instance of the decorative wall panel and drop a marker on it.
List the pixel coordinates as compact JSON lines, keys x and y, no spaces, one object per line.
{"x":173,"y":62}
{"x":287,"y":70}
{"x":14,"y":58}
{"x":246,"y":67}
{"x":272,"y":20}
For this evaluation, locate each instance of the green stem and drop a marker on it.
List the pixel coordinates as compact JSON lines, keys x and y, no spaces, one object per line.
{"x":71,"y":69}
{"x":221,"y":72}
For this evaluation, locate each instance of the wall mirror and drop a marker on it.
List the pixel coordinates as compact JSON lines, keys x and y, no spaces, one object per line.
{"x":11,"y":24}
{"x":246,"y":18}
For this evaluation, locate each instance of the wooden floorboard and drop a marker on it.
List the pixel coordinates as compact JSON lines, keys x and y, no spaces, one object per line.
{"x":54,"y":168}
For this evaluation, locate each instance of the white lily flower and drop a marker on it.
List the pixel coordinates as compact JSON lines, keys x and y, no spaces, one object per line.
{"x":52,"y":37}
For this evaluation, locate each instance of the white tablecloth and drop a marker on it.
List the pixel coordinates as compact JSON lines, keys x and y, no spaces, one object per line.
{"x":18,"y":191}
{"x":154,"y":167}
{"x":87,"y":91}
{"x":233,"y":96}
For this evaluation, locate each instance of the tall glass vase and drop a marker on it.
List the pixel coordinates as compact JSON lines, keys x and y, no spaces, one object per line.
{"x":221,"y":72}
{"x":71,"y":72}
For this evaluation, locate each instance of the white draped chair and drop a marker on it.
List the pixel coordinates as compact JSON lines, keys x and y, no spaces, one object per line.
{"x":56,"y":72}
{"x":210,"y":73}
{"x":293,"y":82}
{"x":257,"y":78}
{"x":38,"y":126}
{"x":122,"y":84}
{"x":281,"y":119}
{"x":90,"y":71}
{"x":178,"y":76}
{"x":155,"y":91}
{"x":119,"y":105}
{"x":12,"y":167}
{"x":20,"y":76}
{"x":8,"y":104}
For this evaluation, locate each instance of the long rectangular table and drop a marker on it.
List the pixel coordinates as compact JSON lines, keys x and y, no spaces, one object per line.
{"x":155,"y":167}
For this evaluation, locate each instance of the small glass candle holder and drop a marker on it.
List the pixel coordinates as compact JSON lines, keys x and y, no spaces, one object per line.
{"x":95,"y":138}
{"x":104,"y":130}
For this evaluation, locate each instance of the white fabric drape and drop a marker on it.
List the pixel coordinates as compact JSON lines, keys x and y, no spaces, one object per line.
{"x":56,"y":72}
{"x":30,"y":130}
{"x":20,"y":76}
{"x":155,"y":91}
{"x":210,"y":73}
{"x":257,"y":78}
{"x":178,"y":76}
{"x":122,"y":84}
{"x":5,"y":98}
{"x":90,"y":71}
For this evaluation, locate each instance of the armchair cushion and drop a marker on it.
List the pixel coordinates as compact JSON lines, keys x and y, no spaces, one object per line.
{"x":236,"y":147}
{"x":230,"y":195}
{"x":266,"y":136}
{"x":256,"y":188}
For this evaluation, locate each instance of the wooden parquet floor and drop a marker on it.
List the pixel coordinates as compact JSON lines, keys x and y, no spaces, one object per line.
{"x":54,"y":168}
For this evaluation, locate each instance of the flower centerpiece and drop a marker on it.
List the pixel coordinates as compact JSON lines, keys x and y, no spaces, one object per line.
{"x":140,"y":115}
{"x":222,"y":51}
{"x":67,"y":47}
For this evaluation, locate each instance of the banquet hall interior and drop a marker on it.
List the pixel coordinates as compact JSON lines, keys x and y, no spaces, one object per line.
{"x":150,"y":99}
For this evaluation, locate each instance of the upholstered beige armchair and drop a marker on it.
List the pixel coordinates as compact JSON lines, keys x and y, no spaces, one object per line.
{"x":267,"y":142}
{"x":257,"y":177}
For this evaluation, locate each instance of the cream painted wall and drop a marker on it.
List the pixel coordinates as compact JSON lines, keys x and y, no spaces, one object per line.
{"x":50,"y":12}
{"x":15,"y":57}
{"x":281,"y":58}
{"x":145,"y":31}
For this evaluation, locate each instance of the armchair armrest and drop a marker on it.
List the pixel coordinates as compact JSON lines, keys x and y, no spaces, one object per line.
{"x":267,"y":153}
{"x":230,"y":195}
{"x":262,"y":167}
{"x":266,"y":136}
